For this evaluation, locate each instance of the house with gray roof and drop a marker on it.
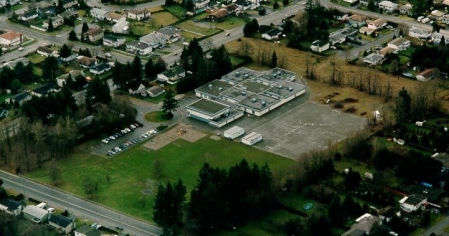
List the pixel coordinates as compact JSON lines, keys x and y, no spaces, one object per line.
{"x":19,"y":98}
{"x":320,"y":45}
{"x":99,"y":14}
{"x":154,"y":39}
{"x":121,"y":27}
{"x":419,"y":33}
{"x":113,"y":41}
{"x":61,"y":223}
{"x":172,"y":33}
{"x":363,"y":225}
{"x":139,"y":47}
{"x":155,"y":91}
{"x":45,"y":89}
{"x":374,"y":59}
{"x":35,"y":214}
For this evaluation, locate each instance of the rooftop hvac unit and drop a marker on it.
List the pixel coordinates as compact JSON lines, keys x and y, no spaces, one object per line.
{"x":237,"y":73}
{"x":220,"y":89}
{"x":290,"y":89}
{"x":211,"y":86}
{"x":243,"y":93}
{"x":279,"y":73}
{"x":253,"y":100}
{"x":246,"y":75}
{"x":264,"y":103}
{"x":279,"y":86}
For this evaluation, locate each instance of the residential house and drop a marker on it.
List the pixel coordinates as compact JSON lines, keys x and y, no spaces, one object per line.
{"x":85,"y":230}
{"x":10,"y":206}
{"x":412,"y":203}
{"x":366,"y":31}
{"x":154,"y":39}
{"x":363,"y":225}
{"x":62,"y":79}
{"x":10,"y":39}
{"x":271,"y":34}
{"x":69,"y":15}
{"x":406,"y":9}
{"x":433,"y":195}
{"x":387,"y":213}
{"x":445,"y":3}
{"x":437,"y":37}
{"x":320,"y":45}
{"x":94,"y":34}
{"x":100,"y":68}
{"x":357,"y":21}
{"x":364,"y":2}
{"x":45,"y":89}
{"x":19,"y":98}
{"x":384,"y":51}
{"x":85,"y":62}
{"x":139,"y":47}
{"x":427,"y":74}
{"x":232,"y":8}
{"x":377,"y":23}
{"x":200,"y":3}
{"x":437,"y":15}
{"x":112,"y":41}
{"x":66,"y":4}
{"x":419,"y":33}
{"x":172,"y":75}
{"x":121,"y":27}
{"x":48,"y":11}
{"x":61,"y":223}
{"x":399,"y":44}
{"x":374,"y":59}
{"x":99,"y":14}
{"x":172,"y":33}
{"x":388,"y":6}
{"x":138,"y":89}
{"x":3,"y":113}
{"x":339,"y":36}
{"x":12,"y":64}
{"x":155,"y":91}
{"x":445,"y":19}
{"x":114,"y":17}
{"x":218,"y":15}
{"x":29,"y":15}
{"x":35,"y":214}
{"x":140,"y":14}
{"x":46,"y":51}
{"x":70,"y":58}
{"x":56,"y":21}
{"x":244,"y":4}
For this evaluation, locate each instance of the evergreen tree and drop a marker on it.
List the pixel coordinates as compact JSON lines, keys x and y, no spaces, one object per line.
{"x":274,"y":60}
{"x":65,"y":51}
{"x":371,"y":6}
{"x":85,"y":28}
{"x":403,"y":107}
{"x":50,"y":25}
{"x":169,"y":104}
{"x":49,"y":68}
{"x":222,"y":61}
{"x":72,"y":36}
{"x":60,"y":7}
{"x":335,"y":211}
{"x":276,"y":5}
{"x":189,"y":5}
{"x":149,"y":69}
{"x":136,"y":70}
{"x":285,"y":2}
{"x":425,"y":218}
{"x":98,"y":92}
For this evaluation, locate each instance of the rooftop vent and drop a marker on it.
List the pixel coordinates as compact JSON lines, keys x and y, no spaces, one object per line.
{"x":290,"y":89}
{"x":253,"y":100}
{"x":243,"y":93}
{"x":279,"y":86}
{"x":264,"y":103}
{"x":246,"y":75}
{"x":211,"y":86}
{"x":237,"y":73}
{"x":220,"y":89}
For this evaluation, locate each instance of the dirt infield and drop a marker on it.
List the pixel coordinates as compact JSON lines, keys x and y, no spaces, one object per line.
{"x":173,"y":134}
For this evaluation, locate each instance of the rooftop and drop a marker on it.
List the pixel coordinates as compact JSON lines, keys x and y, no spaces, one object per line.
{"x":60,"y":220}
{"x":236,"y":94}
{"x":239,"y":75}
{"x":399,"y":41}
{"x":94,"y":31}
{"x":10,"y":204}
{"x":35,"y":211}
{"x":10,"y":35}
{"x":214,"y":88}
{"x":44,"y":89}
{"x":258,"y":102}
{"x":207,"y":106}
{"x":414,"y":199}
{"x":254,"y":87}
{"x":433,"y":194}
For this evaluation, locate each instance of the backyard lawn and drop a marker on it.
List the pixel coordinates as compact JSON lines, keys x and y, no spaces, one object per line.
{"x":35,"y":58}
{"x":176,"y":10}
{"x":157,"y":20}
{"x":131,"y":172}
{"x":191,"y":26}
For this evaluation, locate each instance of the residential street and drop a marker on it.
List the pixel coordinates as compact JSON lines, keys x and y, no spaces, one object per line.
{"x":438,"y":228}
{"x":77,"y":206}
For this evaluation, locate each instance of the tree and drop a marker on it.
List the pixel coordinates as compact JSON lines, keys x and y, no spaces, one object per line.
{"x":189,"y":5}
{"x":402,"y":107}
{"x":50,"y":25}
{"x":276,"y":5}
{"x":72,"y":36}
{"x":85,"y":28}
{"x":352,"y":180}
{"x":425,"y":218}
{"x":251,"y":28}
{"x":335,"y":211}
{"x":136,"y":70}
{"x":98,"y":92}
{"x":169,"y":104}
{"x":60,"y":7}
{"x":168,"y":207}
{"x":54,"y":172}
{"x":285,"y":2}
{"x":89,"y":186}
{"x":15,"y":86}
{"x":245,"y":48}
{"x":371,"y":6}
{"x":49,"y":68}
{"x":1,"y":182}
{"x":169,"y":2}
{"x":274,"y":60}
{"x":65,"y":51}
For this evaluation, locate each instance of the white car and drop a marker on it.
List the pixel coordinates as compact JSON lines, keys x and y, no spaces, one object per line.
{"x":50,"y":210}
{"x":21,"y":49}
{"x":105,"y":141}
{"x":112,"y":137}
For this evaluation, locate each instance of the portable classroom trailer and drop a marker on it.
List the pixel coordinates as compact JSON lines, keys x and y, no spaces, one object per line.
{"x":233,"y":132}
{"x":252,"y":138}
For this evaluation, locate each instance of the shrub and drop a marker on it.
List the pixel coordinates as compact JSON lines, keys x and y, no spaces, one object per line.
{"x":161,"y":127}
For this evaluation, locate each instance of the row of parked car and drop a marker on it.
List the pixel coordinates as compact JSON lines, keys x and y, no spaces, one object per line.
{"x":121,"y":133}
{"x":129,"y":143}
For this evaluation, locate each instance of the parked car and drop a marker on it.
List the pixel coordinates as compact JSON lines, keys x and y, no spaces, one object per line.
{"x":94,"y":225}
{"x":104,"y":141}
{"x":21,"y":49}
{"x":119,"y":227}
{"x":144,"y":136}
{"x":112,"y":137}
{"x":50,"y":210}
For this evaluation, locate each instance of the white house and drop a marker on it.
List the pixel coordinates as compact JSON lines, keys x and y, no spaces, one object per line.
{"x":99,"y":14}
{"x":45,"y":51}
{"x":10,"y":38}
{"x":35,"y":214}
{"x":172,"y":33}
{"x":139,"y":47}
{"x":56,"y":22}
{"x":388,"y":6}
{"x":10,"y":206}
{"x":373,"y":59}
{"x":436,"y":38}
{"x":377,"y":23}
{"x":445,"y":19}
{"x":271,"y":34}
{"x":200,"y":3}
{"x":140,"y":89}
{"x":113,"y":41}
{"x":139,"y":14}
{"x":399,"y":44}
{"x":406,"y":9}
{"x":412,"y":203}
{"x":320,"y":46}
{"x":419,"y":33}
{"x":121,"y":27}
{"x":172,"y":75}
{"x":114,"y":17}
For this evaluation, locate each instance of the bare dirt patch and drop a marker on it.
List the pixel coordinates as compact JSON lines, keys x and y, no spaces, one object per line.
{"x":173,"y":134}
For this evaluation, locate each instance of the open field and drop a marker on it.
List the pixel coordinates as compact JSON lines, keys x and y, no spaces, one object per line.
{"x":131,"y":172}
{"x":176,"y":10}
{"x":157,"y":20}
{"x":320,"y":88}
{"x":188,"y":36}
{"x":191,"y":26}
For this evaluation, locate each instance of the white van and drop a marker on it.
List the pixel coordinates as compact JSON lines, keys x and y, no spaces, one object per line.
{"x":227,"y":34}
{"x":41,"y":205}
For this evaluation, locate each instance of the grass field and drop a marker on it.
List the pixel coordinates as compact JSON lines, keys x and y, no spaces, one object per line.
{"x":176,"y":10}
{"x":158,"y":19}
{"x":190,"y":26}
{"x":155,"y":116}
{"x":35,"y":58}
{"x":188,"y":36}
{"x":131,"y":171}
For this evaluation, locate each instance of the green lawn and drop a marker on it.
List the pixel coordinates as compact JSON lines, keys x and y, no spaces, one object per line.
{"x":131,"y":171}
{"x":157,"y":20}
{"x":236,"y":60}
{"x":230,"y":23}
{"x":155,"y":116}
{"x":188,"y":36}
{"x":35,"y":58}
{"x":176,"y":10}
{"x":191,"y":26}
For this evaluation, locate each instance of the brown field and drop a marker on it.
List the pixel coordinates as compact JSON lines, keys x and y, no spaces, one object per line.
{"x":155,"y":9}
{"x":321,"y":90}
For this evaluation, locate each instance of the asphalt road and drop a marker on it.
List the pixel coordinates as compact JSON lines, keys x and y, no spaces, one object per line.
{"x":77,"y":206}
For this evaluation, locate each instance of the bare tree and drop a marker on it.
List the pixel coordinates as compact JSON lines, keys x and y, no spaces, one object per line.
{"x":283,"y":61}
{"x":208,"y":44}
{"x":54,"y":173}
{"x":245,"y":48}
{"x":348,"y":53}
